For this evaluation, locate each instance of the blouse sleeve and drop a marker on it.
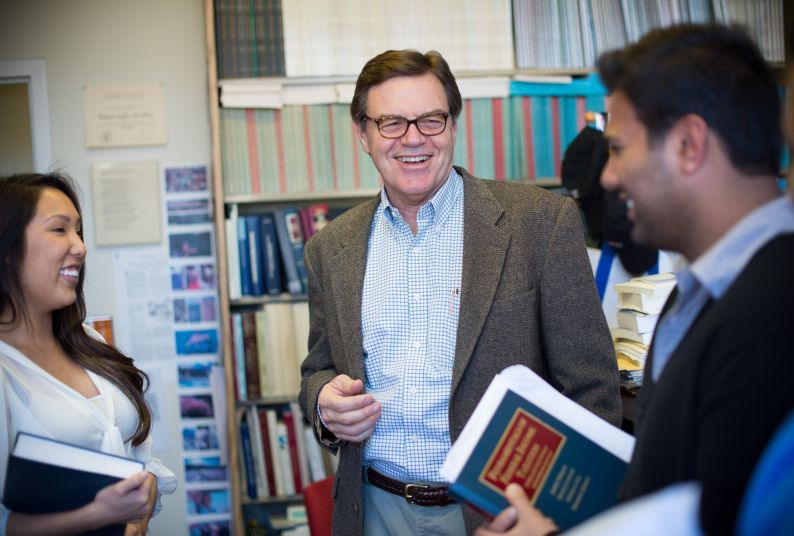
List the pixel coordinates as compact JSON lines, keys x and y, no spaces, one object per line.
{"x":166,"y":481}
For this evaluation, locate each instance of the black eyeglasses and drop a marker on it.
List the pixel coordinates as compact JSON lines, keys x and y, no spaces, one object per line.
{"x":393,"y":127}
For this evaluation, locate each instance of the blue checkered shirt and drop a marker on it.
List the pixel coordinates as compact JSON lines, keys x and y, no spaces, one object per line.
{"x":710,"y":276}
{"x":409,"y":316}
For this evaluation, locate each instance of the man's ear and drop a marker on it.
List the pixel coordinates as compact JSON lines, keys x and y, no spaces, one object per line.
{"x":691,"y":139}
{"x":360,"y":129}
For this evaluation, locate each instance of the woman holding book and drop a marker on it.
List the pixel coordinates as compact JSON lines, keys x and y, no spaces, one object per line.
{"x":58,"y":378}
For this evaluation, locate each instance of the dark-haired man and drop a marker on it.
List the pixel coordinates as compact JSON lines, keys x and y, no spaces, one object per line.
{"x":694,"y":135}
{"x":420,"y":296}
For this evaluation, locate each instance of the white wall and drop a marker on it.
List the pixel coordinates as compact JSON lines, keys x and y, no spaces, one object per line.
{"x":117,"y":42}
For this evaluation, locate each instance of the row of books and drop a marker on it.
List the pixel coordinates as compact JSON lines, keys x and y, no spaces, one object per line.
{"x":280,"y":456}
{"x":302,"y":38}
{"x":309,"y":38}
{"x":269,"y":346}
{"x":265,"y":250}
{"x":249,"y":38}
{"x":572,"y":33}
{"x":640,"y":302}
{"x":314,"y":148}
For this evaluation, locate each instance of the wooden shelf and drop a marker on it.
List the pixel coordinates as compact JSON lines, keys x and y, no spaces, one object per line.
{"x":292,"y":197}
{"x":261,"y":300}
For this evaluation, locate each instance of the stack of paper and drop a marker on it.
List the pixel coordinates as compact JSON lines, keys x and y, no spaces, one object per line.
{"x":640,"y":301}
{"x":645,"y":294}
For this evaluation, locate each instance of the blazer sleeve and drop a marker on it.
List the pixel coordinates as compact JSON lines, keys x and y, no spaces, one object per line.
{"x":318,"y":368}
{"x":576,"y":339}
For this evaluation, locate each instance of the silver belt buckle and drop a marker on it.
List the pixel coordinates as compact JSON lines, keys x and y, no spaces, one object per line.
{"x":409,"y":492}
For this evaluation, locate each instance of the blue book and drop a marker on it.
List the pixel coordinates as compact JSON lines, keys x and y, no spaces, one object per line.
{"x":45,"y":475}
{"x":248,"y":459}
{"x":255,"y":254}
{"x":565,"y":473}
{"x":290,"y":240}
{"x":272,"y":256}
{"x":244,"y":252}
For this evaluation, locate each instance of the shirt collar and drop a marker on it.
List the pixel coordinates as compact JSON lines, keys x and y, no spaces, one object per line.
{"x":439,"y":206}
{"x":718,"y":267}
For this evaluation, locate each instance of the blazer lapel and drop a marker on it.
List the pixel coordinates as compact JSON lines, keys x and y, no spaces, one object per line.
{"x":485,"y":244}
{"x":347,"y":269}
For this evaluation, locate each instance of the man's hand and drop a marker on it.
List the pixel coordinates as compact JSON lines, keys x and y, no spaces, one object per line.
{"x":350,"y":416}
{"x":518,"y":519}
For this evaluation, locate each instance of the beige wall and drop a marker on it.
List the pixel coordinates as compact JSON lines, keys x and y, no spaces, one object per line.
{"x":118,"y":42}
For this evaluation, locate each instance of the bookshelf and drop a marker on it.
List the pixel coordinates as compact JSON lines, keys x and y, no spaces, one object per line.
{"x":282,"y":136}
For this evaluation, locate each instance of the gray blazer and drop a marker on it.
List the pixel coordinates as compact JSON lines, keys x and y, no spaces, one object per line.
{"x":527,"y":297}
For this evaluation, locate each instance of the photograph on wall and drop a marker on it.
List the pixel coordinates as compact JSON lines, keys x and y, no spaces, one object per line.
{"x":210,"y":528}
{"x":201,"y":309}
{"x":189,"y":211}
{"x":205,"y":469}
{"x":196,"y":341}
{"x":207,"y":501}
{"x":186,"y":179}
{"x":193,"y":277}
{"x":200,"y":437}
{"x":182,"y":245}
{"x":195,"y":375}
{"x":196,"y":406}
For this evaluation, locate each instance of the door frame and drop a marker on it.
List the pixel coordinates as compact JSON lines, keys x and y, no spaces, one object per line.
{"x":34,"y":73}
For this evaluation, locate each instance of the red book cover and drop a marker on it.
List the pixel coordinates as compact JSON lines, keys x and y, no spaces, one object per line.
{"x":306,"y":223}
{"x":292,"y":441}
{"x":266,"y":452}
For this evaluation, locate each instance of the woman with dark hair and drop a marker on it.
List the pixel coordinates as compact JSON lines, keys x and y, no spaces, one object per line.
{"x":58,"y":377}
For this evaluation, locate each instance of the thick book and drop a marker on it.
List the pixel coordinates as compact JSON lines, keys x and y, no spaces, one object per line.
{"x":272,"y":257}
{"x":255,"y":431}
{"x":232,"y":254}
{"x":570,"y":462}
{"x":256,"y":255}
{"x":292,"y":447}
{"x":46,"y":475}
{"x":238,"y":350}
{"x":267,"y":454}
{"x":248,"y":458}
{"x":290,"y":239}
{"x":244,"y":253}
{"x":252,"y":383}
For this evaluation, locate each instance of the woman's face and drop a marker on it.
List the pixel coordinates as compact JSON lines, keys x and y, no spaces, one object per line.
{"x":54,"y":254}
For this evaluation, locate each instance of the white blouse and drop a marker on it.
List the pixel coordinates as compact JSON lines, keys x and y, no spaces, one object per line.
{"x":34,"y":401}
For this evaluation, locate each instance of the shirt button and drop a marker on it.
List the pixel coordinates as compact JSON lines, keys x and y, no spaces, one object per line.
{"x":417,"y":344}
{"x":355,"y":507}
{"x":417,"y":297}
{"x":412,"y":390}
{"x":413,"y":438}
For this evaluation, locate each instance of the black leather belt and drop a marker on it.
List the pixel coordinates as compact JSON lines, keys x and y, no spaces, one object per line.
{"x":419,"y":494}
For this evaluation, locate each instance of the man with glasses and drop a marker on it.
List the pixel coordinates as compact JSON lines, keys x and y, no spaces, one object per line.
{"x":420,"y":296}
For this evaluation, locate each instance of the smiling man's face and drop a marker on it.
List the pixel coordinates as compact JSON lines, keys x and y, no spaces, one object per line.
{"x":414,"y":166}
{"x":641,"y":173}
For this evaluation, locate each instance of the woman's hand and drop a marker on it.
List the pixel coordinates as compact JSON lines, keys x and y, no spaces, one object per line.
{"x":122,"y":502}
{"x":127,"y":501}
{"x":139,"y":528}
{"x":518,"y":519}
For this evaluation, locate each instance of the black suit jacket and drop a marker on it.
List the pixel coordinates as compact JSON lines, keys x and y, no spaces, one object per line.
{"x":724,"y":391}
